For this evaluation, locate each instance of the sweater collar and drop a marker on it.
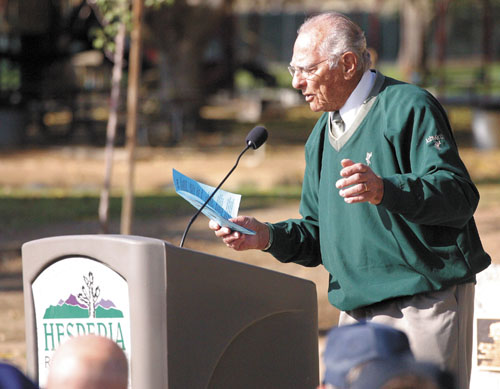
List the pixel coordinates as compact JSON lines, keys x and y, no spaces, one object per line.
{"x":358,"y":96}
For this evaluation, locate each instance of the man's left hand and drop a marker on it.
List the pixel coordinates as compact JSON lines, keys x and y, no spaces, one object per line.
{"x":359,"y":183}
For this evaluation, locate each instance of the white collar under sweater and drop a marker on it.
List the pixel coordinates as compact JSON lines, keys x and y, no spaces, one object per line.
{"x":351,"y":107}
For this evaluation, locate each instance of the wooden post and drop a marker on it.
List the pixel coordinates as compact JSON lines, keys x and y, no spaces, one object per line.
{"x":132,"y":103}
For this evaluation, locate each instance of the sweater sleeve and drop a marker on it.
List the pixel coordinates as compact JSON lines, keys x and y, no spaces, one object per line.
{"x":297,"y":240}
{"x":432,"y":186}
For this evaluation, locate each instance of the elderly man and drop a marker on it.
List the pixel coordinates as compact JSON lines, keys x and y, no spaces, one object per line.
{"x":387,"y":204}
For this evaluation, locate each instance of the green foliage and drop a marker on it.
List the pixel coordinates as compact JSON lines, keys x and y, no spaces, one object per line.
{"x":10,"y":76}
{"x":245,"y":80}
{"x":157,"y":4}
{"x":114,"y":10}
{"x":112,"y":14}
{"x":283,"y":77}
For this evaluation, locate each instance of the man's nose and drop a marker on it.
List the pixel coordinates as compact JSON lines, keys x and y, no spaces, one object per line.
{"x":298,"y":80}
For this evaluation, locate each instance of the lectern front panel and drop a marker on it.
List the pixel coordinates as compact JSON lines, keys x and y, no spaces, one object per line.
{"x":185,"y":319}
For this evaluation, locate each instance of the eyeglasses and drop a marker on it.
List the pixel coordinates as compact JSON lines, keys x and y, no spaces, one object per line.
{"x":306,"y":72}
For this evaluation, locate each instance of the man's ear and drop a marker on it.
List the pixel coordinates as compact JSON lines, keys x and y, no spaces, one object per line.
{"x":349,"y":63}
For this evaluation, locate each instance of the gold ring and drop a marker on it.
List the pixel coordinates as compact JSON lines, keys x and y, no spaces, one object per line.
{"x":366,"y":186}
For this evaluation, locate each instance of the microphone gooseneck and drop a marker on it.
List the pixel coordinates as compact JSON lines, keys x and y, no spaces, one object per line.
{"x":255,"y":138}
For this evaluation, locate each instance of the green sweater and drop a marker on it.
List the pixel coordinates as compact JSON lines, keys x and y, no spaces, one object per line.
{"x":421,"y":237}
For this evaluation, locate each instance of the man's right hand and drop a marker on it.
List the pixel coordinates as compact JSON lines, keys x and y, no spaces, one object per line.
{"x":239,"y":241}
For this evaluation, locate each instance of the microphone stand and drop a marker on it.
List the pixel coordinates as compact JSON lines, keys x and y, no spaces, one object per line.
{"x":249,"y":144}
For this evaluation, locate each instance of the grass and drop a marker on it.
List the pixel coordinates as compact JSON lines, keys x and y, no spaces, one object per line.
{"x":20,"y":211}
{"x":30,"y":211}
{"x":25,"y":211}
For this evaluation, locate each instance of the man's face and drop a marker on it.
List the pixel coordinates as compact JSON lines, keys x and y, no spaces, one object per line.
{"x":324,"y":89}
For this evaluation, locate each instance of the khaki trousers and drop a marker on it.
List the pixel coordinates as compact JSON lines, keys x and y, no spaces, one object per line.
{"x":438,"y":325}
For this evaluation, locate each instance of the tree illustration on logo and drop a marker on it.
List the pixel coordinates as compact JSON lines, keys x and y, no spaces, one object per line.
{"x":89,"y":296}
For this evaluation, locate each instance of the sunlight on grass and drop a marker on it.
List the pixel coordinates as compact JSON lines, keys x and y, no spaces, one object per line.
{"x":28,"y":210}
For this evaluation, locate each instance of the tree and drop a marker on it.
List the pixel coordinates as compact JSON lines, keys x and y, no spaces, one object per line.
{"x":183,"y":34}
{"x":115,"y":17}
{"x":416,"y":16}
{"x":89,"y":295}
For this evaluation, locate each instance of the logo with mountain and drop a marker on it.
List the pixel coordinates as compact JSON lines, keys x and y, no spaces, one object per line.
{"x":85,"y":305}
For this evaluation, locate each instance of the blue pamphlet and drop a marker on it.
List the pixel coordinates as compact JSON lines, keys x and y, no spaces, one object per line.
{"x":222,"y":207}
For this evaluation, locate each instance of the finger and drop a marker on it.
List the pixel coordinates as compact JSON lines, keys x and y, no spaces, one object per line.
{"x":354,"y":190}
{"x":223,"y":232}
{"x":213,"y":225}
{"x":235,"y":243}
{"x":240,"y":220}
{"x":357,"y":168}
{"x":356,"y":199}
{"x":346,"y":162}
{"x":356,"y":178}
{"x":232,"y":237}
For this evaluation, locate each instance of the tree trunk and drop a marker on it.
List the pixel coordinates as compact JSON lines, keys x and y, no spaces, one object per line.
{"x":132,"y":102}
{"x":111,"y":127}
{"x":182,"y":32}
{"x":415,"y":19}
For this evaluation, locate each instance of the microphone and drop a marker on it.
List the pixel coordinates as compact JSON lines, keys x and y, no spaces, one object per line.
{"x":255,"y":138}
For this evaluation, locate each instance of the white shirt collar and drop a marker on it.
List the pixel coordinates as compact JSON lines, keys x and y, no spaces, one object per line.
{"x":351,"y":107}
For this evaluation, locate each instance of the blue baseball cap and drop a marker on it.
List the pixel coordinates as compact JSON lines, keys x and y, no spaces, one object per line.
{"x":12,"y":378}
{"x":377,"y":373}
{"x":352,"y":345}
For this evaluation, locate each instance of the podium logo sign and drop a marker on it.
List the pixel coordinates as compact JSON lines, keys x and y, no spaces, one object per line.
{"x":78,"y":296}
{"x":85,"y":305}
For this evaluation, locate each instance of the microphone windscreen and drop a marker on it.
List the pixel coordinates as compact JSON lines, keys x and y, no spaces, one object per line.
{"x":256,"y":137}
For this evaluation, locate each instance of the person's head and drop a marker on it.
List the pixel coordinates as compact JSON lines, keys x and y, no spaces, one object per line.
{"x":90,"y":362}
{"x":351,"y":346}
{"x":329,"y":58}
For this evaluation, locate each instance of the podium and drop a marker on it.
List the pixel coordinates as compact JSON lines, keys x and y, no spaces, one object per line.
{"x":184,"y":319}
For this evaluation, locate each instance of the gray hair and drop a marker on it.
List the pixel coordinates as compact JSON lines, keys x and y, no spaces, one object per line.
{"x":339,"y":34}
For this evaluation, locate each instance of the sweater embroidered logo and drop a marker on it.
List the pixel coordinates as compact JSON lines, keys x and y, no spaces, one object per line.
{"x":436,"y":139}
{"x":368,"y":158}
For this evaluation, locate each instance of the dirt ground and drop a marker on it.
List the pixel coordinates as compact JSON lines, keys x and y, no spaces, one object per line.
{"x":81,"y":168}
